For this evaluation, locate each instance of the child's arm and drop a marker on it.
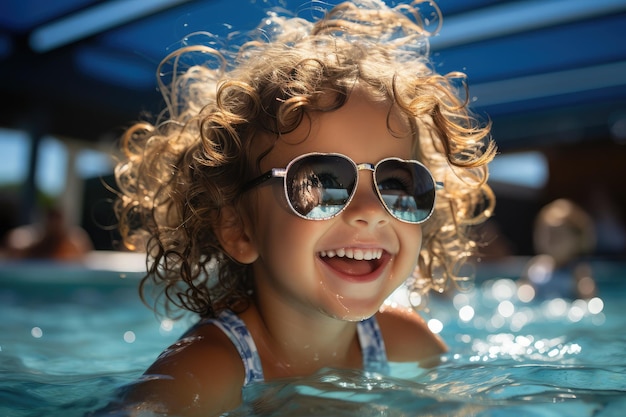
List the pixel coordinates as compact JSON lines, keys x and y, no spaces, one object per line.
{"x":201,"y":375}
{"x":407,"y":336}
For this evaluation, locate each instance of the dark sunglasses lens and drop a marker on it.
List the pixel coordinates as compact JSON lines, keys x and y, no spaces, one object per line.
{"x":407,"y":190}
{"x":320,"y":186}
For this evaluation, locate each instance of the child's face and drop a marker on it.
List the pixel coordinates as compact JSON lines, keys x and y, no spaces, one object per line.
{"x":291,"y":269}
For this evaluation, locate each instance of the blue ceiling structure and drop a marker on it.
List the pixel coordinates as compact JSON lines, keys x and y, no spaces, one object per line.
{"x":543,"y":70}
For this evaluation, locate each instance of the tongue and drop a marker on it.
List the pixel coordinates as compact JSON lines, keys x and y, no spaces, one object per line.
{"x":349,"y":266}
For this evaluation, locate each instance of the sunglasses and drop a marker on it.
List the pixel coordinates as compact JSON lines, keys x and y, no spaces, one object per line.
{"x":319,"y":186}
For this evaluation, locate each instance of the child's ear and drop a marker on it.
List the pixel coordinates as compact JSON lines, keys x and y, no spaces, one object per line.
{"x":233,"y":232}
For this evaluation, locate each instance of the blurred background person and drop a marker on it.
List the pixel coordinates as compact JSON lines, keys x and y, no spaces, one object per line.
{"x":563,"y":236}
{"x":52,"y":238}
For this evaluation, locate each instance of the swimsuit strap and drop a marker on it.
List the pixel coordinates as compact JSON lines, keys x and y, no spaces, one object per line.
{"x":238,"y":333}
{"x":372,"y":346}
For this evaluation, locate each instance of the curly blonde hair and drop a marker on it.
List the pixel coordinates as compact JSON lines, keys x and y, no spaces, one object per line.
{"x":178,"y":174}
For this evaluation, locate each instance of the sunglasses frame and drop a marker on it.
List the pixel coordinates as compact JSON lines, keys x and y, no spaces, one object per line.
{"x":282,"y":173}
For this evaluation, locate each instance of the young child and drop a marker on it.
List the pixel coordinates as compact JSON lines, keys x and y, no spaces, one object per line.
{"x":289,"y":190}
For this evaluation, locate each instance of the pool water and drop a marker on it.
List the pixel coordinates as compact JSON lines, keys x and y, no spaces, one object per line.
{"x":69,"y":337}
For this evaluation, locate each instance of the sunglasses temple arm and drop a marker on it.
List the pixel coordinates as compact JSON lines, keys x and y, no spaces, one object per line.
{"x":274,"y":173}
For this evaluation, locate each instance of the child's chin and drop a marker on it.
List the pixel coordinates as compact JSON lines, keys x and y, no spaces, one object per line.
{"x":355,"y":311}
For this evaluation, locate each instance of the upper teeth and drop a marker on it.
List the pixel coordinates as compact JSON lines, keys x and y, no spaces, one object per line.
{"x":358,"y":254}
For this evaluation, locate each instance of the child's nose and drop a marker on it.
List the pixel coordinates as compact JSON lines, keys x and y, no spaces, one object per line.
{"x":366,"y":209}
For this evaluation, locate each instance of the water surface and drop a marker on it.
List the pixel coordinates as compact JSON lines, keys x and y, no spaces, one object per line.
{"x":70,"y":337}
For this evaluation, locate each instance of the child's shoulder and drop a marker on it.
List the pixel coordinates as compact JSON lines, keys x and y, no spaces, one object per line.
{"x":407,"y":336}
{"x":208,"y":353}
{"x":203,"y":368}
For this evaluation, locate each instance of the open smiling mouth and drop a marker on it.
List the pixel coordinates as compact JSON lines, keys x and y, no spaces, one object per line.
{"x":355,"y":262}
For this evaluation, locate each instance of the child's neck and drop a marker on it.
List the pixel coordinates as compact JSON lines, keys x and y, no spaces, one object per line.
{"x":290,"y":344}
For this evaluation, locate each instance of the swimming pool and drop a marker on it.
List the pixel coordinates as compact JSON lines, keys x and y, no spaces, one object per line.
{"x":69,"y":336}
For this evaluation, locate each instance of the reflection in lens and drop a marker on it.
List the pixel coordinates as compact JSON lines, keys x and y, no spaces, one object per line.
{"x":319,"y":186}
{"x":304,"y":189}
{"x":413,"y":201}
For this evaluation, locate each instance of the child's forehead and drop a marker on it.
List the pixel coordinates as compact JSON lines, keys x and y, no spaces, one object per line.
{"x":366,"y":130}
